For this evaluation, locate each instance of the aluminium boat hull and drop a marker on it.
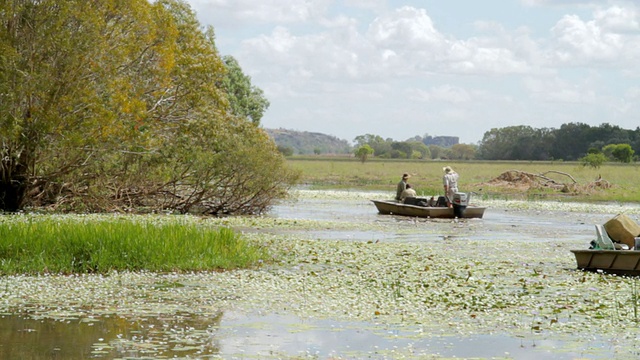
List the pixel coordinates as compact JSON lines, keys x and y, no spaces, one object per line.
{"x":622,"y":262}
{"x":397,"y":208}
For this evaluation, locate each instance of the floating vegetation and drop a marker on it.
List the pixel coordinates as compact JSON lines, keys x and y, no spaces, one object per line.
{"x":440,"y":286}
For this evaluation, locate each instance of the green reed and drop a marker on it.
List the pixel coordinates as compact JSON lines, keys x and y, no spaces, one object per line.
{"x":50,"y":244}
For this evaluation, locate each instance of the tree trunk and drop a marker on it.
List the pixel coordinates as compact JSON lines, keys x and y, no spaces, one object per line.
{"x":14,"y":180}
{"x":12,"y":193}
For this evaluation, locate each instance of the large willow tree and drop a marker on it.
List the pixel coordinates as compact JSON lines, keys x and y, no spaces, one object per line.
{"x":113,"y":105}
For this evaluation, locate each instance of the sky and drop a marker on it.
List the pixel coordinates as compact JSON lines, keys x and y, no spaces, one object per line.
{"x":400,"y":69}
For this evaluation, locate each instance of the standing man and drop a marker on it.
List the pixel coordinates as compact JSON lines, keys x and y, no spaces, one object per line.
{"x":401,"y":186}
{"x":450,"y":182}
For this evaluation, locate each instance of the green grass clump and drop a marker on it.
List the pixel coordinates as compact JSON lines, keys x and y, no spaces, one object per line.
{"x":49,"y":244}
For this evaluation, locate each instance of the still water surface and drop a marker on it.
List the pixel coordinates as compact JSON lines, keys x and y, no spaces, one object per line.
{"x":232,"y":335}
{"x":238,"y":336}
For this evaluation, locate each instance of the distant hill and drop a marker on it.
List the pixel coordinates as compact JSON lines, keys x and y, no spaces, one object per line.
{"x":303,"y":142}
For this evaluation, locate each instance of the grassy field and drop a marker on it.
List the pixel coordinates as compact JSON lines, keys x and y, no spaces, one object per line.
{"x":350,"y":173}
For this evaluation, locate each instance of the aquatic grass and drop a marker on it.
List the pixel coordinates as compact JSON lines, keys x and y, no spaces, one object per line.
{"x":52,"y":244}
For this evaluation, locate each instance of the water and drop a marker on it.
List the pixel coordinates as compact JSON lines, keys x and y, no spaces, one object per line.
{"x":239,"y":336}
{"x":233,"y":335}
{"x":496,"y":225}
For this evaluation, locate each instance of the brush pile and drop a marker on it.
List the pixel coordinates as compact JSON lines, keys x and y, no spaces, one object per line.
{"x":524,"y":181}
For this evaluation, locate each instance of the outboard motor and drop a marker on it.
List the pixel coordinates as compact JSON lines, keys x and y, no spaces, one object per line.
{"x":460,"y":202}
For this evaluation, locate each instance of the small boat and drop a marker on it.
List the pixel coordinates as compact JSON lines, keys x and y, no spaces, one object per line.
{"x":608,"y":257}
{"x":620,"y":262}
{"x":397,"y":208}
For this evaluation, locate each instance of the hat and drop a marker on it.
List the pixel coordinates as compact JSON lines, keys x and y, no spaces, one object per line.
{"x":447,"y":169}
{"x":406,"y":176}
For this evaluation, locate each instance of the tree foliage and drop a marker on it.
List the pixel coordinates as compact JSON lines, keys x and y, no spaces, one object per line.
{"x":594,"y":160}
{"x":285,"y":150}
{"x":463,"y":152}
{"x":106,"y":105}
{"x":413,"y":148}
{"x":379,"y":145}
{"x":245,"y":99}
{"x":401,"y":149}
{"x":437,"y":152}
{"x":515,"y":143}
{"x":363,"y":152}
{"x":618,"y":152}
{"x":570,"y":142}
{"x":419,"y":150}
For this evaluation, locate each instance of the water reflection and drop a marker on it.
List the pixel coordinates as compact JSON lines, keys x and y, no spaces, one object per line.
{"x":239,"y":336}
{"x":107,"y":338}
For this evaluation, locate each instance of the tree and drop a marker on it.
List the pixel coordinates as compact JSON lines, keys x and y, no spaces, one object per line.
{"x":245,"y":99}
{"x":397,"y":154}
{"x":436,"y":151}
{"x":380,"y":146}
{"x":619,"y":152}
{"x":229,"y":176}
{"x":285,"y":150}
{"x":594,"y":160}
{"x":516,"y":143}
{"x":571,"y":141}
{"x":112,"y":104}
{"x":419,"y":150}
{"x":66,"y":98}
{"x":401,"y":149}
{"x":363,"y":152}
{"x":463,"y":151}
{"x":623,"y":153}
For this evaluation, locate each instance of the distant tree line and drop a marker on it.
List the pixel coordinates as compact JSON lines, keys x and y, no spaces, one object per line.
{"x":592,"y":145}
{"x":414,"y":148}
{"x":571,"y":141}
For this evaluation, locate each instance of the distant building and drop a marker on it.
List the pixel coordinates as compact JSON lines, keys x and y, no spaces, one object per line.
{"x":442,"y":141}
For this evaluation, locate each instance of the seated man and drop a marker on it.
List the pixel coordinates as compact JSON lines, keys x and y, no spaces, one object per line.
{"x":408,"y":192}
{"x":402,"y":185}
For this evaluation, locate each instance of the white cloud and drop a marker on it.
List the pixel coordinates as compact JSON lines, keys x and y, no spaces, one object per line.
{"x":355,"y":66}
{"x":406,"y":27}
{"x":403,"y":43}
{"x":618,"y":20}
{"x":579,"y":41}
{"x":266,"y":11}
{"x":560,"y":2}
{"x":558,"y":90}
{"x":446,"y":93}
{"x":610,"y":39}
